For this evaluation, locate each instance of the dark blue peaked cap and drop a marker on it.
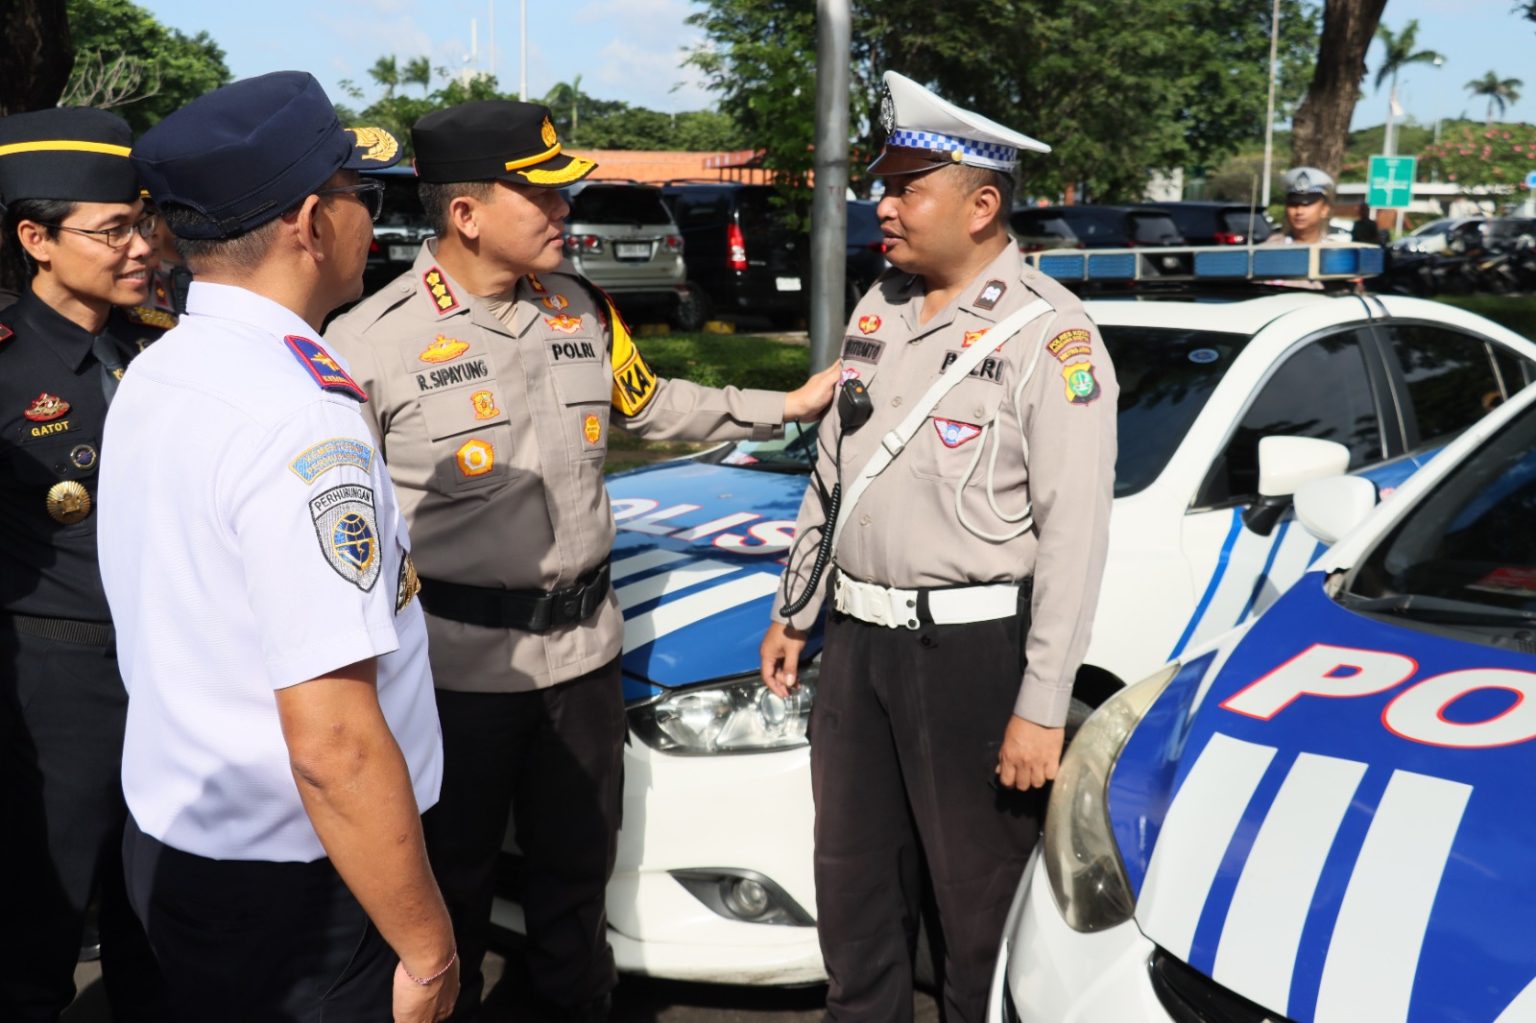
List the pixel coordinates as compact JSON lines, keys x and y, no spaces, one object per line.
{"x":243,"y":154}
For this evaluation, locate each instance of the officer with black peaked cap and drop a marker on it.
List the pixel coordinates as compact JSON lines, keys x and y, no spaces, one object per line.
{"x":74,"y":241}
{"x":282,"y":739}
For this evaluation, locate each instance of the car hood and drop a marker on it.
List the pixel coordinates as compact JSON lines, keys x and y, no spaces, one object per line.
{"x":696,"y":563}
{"x":1343,"y":857}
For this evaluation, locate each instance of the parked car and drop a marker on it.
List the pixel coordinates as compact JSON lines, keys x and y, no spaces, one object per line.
{"x":622,"y":238}
{"x":1504,"y":232}
{"x":1325,"y":814}
{"x":399,"y":231}
{"x":1435,"y":236}
{"x":714,"y":878}
{"x":866,"y":249}
{"x":1216,"y":223}
{"x":1091,"y":227}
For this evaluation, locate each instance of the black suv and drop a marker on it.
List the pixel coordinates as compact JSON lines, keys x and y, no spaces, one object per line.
{"x":1091,"y":227}
{"x":1216,"y":223}
{"x":398,"y":232}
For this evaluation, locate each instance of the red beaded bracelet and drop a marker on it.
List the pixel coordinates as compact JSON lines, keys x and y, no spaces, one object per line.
{"x":427,"y":981}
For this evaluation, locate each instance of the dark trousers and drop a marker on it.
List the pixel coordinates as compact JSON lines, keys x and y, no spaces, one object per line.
{"x":245,"y":941}
{"x":62,"y":707}
{"x":905,"y":734}
{"x":554,"y":758}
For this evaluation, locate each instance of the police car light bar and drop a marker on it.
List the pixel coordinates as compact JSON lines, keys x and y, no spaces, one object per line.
{"x":1212,"y":263}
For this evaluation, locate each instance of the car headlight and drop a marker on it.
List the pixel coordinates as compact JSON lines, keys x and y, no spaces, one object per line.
{"x":737,"y":716}
{"x":1081,"y":858}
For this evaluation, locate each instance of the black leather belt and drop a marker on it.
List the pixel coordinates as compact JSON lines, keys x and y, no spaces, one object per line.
{"x":64,"y":630}
{"x":525,"y":610}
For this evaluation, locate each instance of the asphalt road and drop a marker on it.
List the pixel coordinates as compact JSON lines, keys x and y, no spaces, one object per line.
{"x":638,"y":1000}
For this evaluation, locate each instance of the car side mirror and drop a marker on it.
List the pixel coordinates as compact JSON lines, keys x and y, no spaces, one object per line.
{"x":1332,"y":507}
{"x":1285,"y":465}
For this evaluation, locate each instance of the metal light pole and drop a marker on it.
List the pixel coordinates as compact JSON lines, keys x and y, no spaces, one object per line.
{"x":829,"y":208}
{"x":1269,"y":114}
{"x":522,"y":67}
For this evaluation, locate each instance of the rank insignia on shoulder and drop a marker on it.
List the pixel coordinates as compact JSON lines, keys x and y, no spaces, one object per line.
{"x":46,"y":407}
{"x":1082,"y":385}
{"x":326,"y":370}
{"x":443,"y":297}
{"x":147,"y":317}
{"x":314,"y":462}
{"x":348,"y":532}
{"x":443,"y":349}
{"x":952,"y":434}
{"x":869,"y":324}
{"x":1070,"y":343}
{"x":409,"y":583}
{"x":6,"y":333}
{"x":536,"y":284}
{"x":991,"y":294}
{"x":565,"y":323}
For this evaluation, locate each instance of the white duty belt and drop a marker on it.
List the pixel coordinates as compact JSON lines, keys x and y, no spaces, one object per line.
{"x":896,"y":608}
{"x":893,"y":442}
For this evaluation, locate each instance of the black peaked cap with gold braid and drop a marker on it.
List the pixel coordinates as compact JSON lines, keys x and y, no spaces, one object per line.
{"x":494,"y":139}
{"x":70,"y":153}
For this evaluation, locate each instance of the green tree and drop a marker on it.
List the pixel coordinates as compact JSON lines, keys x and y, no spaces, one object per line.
{"x":386,"y":72}
{"x":566,"y":96}
{"x":1472,"y":154}
{"x":1500,"y":92}
{"x":1321,"y":125}
{"x":418,"y":71}
{"x":1399,"y":53}
{"x":128,"y":61}
{"x":34,"y":36}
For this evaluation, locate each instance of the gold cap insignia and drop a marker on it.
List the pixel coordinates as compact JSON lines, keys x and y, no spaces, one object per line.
{"x":547,"y":132}
{"x":380,"y":144}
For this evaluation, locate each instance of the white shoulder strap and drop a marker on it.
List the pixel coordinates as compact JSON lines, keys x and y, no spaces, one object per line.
{"x":892,"y":443}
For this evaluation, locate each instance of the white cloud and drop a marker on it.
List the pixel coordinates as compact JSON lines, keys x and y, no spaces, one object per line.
{"x":647,"y":77}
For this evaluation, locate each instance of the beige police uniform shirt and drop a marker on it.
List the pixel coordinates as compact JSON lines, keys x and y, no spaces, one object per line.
{"x":493,"y":416}
{"x":905,"y":530}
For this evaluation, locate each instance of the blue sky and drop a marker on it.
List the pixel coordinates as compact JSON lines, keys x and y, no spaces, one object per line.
{"x":631,"y":50}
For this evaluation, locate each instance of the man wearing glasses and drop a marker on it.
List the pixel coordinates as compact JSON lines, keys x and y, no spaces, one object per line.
{"x":74,"y":240}
{"x":281,"y":739}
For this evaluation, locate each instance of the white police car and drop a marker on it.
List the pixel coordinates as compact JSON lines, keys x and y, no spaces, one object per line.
{"x":714,"y":877}
{"x":1325,"y":815}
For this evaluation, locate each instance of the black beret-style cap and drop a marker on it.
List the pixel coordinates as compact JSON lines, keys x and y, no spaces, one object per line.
{"x":243,"y":154}
{"x":494,"y":139}
{"x":72,"y":153}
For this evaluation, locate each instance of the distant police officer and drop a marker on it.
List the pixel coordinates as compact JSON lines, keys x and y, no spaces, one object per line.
{"x":1307,"y":207}
{"x":494,"y":374}
{"x":282,"y":738}
{"x":74,"y":233}
{"x":968,"y":553}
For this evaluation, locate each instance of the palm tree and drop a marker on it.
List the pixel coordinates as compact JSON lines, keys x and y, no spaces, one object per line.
{"x":567,"y":92}
{"x":1399,"y":54}
{"x":1500,"y":92}
{"x":418,"y":71}
{"x":386,"y":74}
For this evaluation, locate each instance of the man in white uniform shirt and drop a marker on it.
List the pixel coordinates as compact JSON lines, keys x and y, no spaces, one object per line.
{"x":282,"y":739}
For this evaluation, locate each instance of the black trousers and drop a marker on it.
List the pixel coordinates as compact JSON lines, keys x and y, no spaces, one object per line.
{"x":62,"y":707}
{"x":905,"y":734}
{"x":554,"y":758}
{"x":245,"y":941}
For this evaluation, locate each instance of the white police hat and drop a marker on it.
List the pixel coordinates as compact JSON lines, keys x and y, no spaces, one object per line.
{"x":1308,"y":181}
{"x":925,"y":131}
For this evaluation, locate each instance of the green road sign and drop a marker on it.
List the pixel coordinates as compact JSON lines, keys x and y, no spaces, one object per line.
{"x":1390,"y":182}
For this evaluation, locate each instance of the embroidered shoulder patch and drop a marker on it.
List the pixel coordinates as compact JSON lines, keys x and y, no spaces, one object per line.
{"x":314,"y":462}
{"x":437,"y":286}
{"x":1070,"y":343}
{"x":952,"y":434}
{"x":634,"y":382}
{"x":348,"y":533}
{"x":326,"y":370}
{"x":1082,"y":385}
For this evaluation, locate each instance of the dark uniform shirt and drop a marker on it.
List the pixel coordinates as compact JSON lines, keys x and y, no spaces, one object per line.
{"x":53,"y":404}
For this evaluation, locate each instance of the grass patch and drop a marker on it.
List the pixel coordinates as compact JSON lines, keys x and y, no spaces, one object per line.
{"x":1517,"y":312}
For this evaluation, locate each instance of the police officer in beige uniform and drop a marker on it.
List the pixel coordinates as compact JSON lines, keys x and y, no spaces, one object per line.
{"x":494,"y":375}
{"x":966,"y":569}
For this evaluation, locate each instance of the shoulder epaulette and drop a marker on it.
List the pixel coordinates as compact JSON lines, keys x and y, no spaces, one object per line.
{"x":6,"y":333}
{"x":144,"y":316}
{"x":325,"y":370}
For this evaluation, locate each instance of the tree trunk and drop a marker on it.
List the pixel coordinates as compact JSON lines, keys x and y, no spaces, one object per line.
{"x":34,"y":36}
{"x":1320,"y":128}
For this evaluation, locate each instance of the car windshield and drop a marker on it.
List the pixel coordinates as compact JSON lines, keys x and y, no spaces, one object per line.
{"x":1166,"y":376}
{"x":605,"y":205}
{"x":1466,"y":555}
{"x":1433,"y":227}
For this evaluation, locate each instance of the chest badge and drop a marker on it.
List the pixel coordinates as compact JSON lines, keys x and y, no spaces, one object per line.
{"x":971,"y":337}
{"x":1082,"y":385}
{"x":82,"y":456}
{"x":475,"y":458}
{"x":952,"y":434}
{"x":869,"y":324}
{"x":485,"y":405}
{"x":443,"y":349}
{"x":564,"y":323}
{"x":850,"y":373}
{"x":68,"y":502}
{"x":557,"y":302}
{"x":46,"y":407}
{"x":592,"y":428}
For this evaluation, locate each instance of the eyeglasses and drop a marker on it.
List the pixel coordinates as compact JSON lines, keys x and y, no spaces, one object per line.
{"x":369,"y":193}
{"x":114,"y":237}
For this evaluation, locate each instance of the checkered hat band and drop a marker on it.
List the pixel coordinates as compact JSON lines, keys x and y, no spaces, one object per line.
{"x":980,"y":154}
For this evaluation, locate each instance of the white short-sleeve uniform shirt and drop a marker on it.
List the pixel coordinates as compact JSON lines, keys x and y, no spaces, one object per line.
{"x":250,"y":541}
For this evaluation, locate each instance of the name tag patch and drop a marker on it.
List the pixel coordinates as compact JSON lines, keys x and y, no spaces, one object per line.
{"x":449,"y":376}
{"x":990,"y":368}
{"x":863,"y":350}
{"x":348,"y":532}
{"x":314,"y":462}
{"x":568,"y":351}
